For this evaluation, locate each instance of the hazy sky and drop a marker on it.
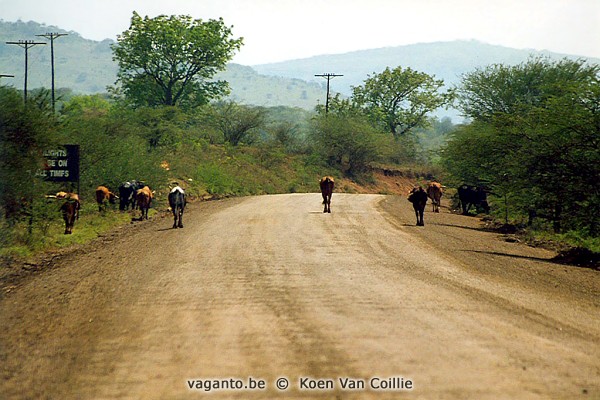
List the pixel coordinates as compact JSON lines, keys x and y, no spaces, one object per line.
{"x":278,"y":30}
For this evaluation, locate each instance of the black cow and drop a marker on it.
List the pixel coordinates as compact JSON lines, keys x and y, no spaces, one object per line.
{"x":327,"y":183}
{"x":127,"y":191}
{"x":418,"y":198}
{"x":473,"y":196}
{"x":177,"y":203}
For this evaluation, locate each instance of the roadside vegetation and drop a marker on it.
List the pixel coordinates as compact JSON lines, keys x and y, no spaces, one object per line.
{"x":534,"y":143}
{"x":532,"y":139}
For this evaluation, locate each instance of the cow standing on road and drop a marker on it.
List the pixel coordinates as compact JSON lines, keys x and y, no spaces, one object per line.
{"x":435,"y":192}
{"x":473,"y":196}
{"x":177,"y":203}
{"x":327,"y":183}
{"x":144,"y":200}
{"x":418,"y":198}
{"x":127,"y":192}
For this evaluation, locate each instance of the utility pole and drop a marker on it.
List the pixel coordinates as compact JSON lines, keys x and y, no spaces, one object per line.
{"x":327,"y":76}
{"x":25,"y":44}
{"x":51,"y":37}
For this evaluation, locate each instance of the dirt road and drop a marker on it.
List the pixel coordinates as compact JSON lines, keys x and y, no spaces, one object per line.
{"x":257,"y":289}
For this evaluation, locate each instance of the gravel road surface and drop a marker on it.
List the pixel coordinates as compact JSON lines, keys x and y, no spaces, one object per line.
{"x":268,"y":290}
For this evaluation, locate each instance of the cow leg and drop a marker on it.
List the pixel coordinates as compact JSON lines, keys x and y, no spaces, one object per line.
{"x":329,"y":204}
{"x":180,"y":218}
{"x":421,"y":217}
{"x":469,"y":204}
{"x":68,"y":227}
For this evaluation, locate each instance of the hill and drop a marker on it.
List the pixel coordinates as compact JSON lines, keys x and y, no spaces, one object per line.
{"x":445,"y":60}
{"x":86,"y":66}
{"x":250,"y":87}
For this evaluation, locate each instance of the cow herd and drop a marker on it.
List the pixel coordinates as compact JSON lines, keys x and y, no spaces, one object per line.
{"x":137,"y":195}
{"x":132,"y":194}
{"x":468,"y":196}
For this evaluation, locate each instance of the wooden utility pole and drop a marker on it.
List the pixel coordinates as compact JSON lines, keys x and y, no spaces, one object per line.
{"x":51,"y":37}
{"x":25,"y":44}
{"x":327,"y":76}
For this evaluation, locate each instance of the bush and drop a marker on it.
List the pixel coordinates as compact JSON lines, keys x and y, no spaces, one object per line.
{"x":348,"y":144}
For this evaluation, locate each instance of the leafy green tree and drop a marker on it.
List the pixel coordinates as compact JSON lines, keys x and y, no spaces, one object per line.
{"x":237,"y":123}
{"x":342,"y":107}
{"x":348,"y":144}
{"x":534,"y":139}
{"x":400,"y":99}
{"x":25,"y":131}
{"x":115,"y":143}
{"x":171,"y":60}
{"x":503,"y":94}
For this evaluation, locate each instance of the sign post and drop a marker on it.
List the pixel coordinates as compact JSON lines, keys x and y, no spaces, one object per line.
{"x":62,"y":164}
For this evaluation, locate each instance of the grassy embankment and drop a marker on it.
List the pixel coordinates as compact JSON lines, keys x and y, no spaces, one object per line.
{"x":212,"y":173}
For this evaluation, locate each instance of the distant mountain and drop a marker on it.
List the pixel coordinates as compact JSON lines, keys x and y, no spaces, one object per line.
{"x":250,"y":87}
{"x":86,"y":66}
{"x":444,"y":60}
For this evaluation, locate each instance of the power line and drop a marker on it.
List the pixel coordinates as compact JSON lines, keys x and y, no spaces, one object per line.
{"x":51,"y":37}
{"x":327,"y":76}
{"x":25,"y":44}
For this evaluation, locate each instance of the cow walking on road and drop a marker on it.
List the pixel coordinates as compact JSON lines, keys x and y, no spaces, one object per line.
{"x":418,"y":198}
{"x":473,"y":196}
{"x":127,"y":194}
{"x":435,"y":192}
{"x":144,"y":199}
{"x":177,"y":203}
{"x":327,"y":183}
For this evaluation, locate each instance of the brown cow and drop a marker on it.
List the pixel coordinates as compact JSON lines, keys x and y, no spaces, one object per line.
{"x":69,"y":209}
{"x":74,"y":197}
{"x":435,"y":192}
{"x":144,"y":199}
{"x":418,"y":198}
{"x":327,"y":183}
{"x":104,"y":196}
